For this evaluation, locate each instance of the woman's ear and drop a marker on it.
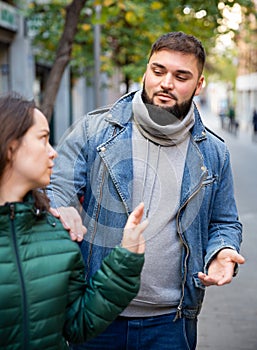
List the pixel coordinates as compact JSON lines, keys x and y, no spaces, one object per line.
{"x":12,"y":149}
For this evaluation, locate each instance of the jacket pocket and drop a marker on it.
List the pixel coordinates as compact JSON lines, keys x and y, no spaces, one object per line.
{"x":197,"y":282}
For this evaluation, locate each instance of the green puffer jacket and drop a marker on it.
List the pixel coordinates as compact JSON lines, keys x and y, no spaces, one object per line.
{"x":43,"y":295}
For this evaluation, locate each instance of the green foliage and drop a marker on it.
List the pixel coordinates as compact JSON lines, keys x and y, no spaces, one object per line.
{"x":128,"y":29}
{"x":46,"y":24}
{"x":222,"y":67}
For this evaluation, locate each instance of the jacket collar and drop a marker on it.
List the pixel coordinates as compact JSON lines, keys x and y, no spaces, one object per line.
{"x":198,"y":131}
{"x":121,"y":113}
{"x":27,"y":206}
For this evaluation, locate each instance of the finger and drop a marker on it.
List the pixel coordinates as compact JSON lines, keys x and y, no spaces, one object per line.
{"x":76,"y":229}
{"x":73,"y":236}
{"x":239,"y":259}
{"x":202,"y":277}
{"x":54,"y":212}
{"x":206,"y":280}
{"x":77,"y":226}
{"x":80,"y":236}
{"x":231,"y":255}
{"x":139,"y":211}
{"x":72,"y":221}
{"x":218,"y":281}
{"x":136,"y":216}
{"x":64,"y":223}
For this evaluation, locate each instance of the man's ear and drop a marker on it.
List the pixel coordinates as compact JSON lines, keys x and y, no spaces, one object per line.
{"x":199,"y":85}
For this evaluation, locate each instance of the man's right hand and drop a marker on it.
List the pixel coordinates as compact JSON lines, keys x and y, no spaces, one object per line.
{"x":71,"y":221}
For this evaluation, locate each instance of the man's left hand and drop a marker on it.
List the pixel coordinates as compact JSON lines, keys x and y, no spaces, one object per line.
{"x":221,"y":269}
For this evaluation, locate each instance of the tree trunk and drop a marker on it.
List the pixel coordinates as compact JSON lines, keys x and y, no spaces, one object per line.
{"x":63,"y":56}
{"x":127,"y":83}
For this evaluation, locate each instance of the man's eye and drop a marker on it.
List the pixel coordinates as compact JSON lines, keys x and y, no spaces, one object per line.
{"x":157,"y":72}
{"x":181,"y":78}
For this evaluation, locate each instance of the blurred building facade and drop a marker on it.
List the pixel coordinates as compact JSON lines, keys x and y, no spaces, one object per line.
{"x":16,"y":59}
{"x":21,"y":73}
{"x":246,"y":82}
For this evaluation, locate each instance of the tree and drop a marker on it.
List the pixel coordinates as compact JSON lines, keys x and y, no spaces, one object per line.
{"x":63,"y":55}
{"x":128,"y":30}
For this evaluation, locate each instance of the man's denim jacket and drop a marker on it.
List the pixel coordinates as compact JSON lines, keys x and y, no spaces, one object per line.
{"x":94,"y":168}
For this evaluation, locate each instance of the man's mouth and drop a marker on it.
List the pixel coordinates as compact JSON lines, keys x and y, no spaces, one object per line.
{"x":166,"y":97}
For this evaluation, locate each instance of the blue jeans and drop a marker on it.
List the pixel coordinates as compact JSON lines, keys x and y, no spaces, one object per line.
{"x":150,"y":333}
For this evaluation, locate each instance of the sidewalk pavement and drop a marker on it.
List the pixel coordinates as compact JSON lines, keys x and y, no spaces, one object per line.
{"x":213,"y":122}
{"x":228,"y":320}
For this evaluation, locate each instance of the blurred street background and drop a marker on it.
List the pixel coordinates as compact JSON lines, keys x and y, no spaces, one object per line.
{"x":229,"y":314}
{"x":72,"y":59}
{"x":77,"y":55}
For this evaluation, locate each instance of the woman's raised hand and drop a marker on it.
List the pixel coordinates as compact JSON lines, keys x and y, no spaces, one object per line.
{"x":133,"y":239}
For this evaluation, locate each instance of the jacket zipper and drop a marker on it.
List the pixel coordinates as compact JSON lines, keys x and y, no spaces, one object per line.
{"x":179,"y":308}
{"x":96,"y":222}
{"x":22,"y":283}
{"x":97,"y":214}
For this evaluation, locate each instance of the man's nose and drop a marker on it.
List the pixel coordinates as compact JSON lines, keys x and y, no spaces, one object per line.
{"x":167,"y":81}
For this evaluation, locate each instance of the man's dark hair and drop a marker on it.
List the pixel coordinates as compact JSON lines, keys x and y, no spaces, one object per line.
{"x":184,"y":43}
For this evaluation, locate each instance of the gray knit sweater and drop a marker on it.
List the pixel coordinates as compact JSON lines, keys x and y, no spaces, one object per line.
{"x":158,"y":172}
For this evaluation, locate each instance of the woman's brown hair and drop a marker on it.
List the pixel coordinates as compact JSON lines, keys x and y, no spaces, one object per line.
{"x":16,"y":117}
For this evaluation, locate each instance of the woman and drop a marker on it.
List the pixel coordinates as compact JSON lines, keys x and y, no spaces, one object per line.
{"x":44,"y":300}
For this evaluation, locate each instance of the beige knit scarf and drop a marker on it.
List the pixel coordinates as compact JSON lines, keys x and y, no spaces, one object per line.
{"x":164,"y":129}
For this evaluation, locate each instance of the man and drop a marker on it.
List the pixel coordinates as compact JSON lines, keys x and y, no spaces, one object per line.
{"x":152,"y":146}
{"x":254,"y":124}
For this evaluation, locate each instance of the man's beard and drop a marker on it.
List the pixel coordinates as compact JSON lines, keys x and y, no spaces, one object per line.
{"x":179,"y":110}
